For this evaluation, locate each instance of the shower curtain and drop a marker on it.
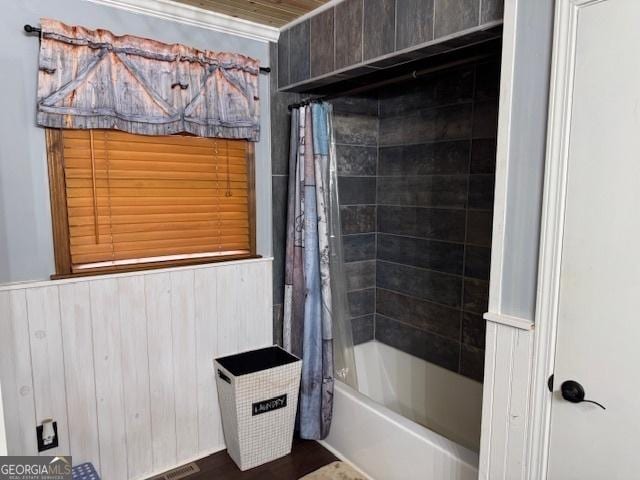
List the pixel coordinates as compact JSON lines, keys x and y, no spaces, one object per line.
{"x":315,"y":307}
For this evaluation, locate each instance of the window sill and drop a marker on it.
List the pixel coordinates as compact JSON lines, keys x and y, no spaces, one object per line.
{"x":140,"y":267}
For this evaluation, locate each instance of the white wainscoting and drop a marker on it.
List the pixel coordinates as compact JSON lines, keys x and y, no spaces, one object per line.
{"x":123,"y":363}
{"x":505,"y":403}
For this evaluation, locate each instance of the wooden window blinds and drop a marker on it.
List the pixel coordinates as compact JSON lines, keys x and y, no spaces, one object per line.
{"x":135,"y":199}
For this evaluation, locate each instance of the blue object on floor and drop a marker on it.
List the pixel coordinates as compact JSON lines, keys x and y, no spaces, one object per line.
{"x":84,"y":471}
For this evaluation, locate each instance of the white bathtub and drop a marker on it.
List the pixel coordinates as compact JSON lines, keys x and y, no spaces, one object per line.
{"x":383,"y":430}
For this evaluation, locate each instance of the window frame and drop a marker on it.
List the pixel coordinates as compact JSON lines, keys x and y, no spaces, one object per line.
{"x":60,"y":221}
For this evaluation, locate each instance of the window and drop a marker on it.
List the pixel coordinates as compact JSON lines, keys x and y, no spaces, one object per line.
{"x":123,"y":201}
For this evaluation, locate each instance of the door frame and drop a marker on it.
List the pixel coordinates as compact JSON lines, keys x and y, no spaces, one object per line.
{"x":552,"y":230}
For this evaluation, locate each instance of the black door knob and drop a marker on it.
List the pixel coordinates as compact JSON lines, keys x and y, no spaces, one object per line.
{"x":573,"y":392}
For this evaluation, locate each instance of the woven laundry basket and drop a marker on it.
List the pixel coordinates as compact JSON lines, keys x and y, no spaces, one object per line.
{"x":258,"y":394}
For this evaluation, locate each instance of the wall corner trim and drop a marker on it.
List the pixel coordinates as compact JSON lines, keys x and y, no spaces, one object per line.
{"x":509,"y":320}
{"x":196,"y":17}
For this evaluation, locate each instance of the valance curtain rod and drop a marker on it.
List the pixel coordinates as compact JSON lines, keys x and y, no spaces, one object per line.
{"x":32,"y":29}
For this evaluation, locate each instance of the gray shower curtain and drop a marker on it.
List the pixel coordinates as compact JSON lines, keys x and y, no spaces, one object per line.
{"x":310,"y":306}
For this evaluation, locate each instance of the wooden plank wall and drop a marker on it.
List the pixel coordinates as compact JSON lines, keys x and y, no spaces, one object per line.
{"x":123,"y":363}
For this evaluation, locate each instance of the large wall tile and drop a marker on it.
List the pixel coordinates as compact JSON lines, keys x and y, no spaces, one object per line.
{"x":362,"y":328}
{"x":473,"y":329}
{"x":434,"y":255}
{"x":477,"y":262}
{"x":430,"y":347}
{"x":415,"y":127}
{"x":485,"y":119}
{"x":280,"y":132}
{"x":379,"y":27}
{"x":358,"y":219}
{"x":283,"y":59}
{"x":359,"y":247}
{"x":356,"y":160}
{"x":455,"y":15}
{"x":356,"y":129}
{"x":361,"y":104}
{"x":408,"y":98}
{"x":491,"y":10}
{"x":441,"y":158}
{"x":472,"y":362}
{"x":487,"y":80}
{"x":280,"y":116}
{"x":476,"y":295}
{"x":322,"y":46}
{"x":357,"y":190}
{"x":481,"y":191}
{"x":414,"y":22}
{"x":419,"y":313}
{"x":299,"y":49}
{"x":479,"y":227}
{"x":278,"y":315}
{"x":417,"y":282}
{"x":433,"y":223}
{"x":452,"y":122}
{"x":348,"y":33}
{"x":443,"y":191}
{"x":279,"y":219}
{"x":483,"y":155}
{"x":360,"y":274}
{"x":445,"y":88}
{"x":362,"y":302}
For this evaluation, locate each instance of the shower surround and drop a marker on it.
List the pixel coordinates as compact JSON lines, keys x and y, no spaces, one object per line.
{"x":416,"y":166}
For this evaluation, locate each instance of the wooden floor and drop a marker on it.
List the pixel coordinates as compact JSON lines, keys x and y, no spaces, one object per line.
{"x":305,"y":457}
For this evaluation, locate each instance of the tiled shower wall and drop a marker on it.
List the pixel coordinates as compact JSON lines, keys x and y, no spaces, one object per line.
{"x":416,"y":175}
{"x":356,"y":137}
{"x":436,"y":167}
{"x":280,"y":133}
{"x":416,"y":178}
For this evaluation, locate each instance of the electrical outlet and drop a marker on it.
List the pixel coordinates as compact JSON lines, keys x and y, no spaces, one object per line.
{"x":41,"y":446}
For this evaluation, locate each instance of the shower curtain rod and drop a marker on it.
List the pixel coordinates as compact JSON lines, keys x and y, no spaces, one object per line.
{"x":31,"y":29}
{"x":402,"y":78}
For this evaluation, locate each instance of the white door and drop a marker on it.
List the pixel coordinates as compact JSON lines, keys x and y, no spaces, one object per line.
{"x":598,"y":316}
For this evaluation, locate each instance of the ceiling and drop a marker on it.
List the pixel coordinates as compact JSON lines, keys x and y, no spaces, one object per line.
{"x":274,"y":13}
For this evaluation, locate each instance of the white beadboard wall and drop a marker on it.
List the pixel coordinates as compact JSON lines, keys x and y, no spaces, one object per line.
{"x":505,"y":402}
{"x":123,"y":362}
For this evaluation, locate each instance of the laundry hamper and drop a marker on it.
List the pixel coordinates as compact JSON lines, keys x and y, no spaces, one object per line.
{"x":258,"y":394}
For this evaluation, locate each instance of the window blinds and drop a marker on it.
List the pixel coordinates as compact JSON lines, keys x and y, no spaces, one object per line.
{"x":139,"y":199}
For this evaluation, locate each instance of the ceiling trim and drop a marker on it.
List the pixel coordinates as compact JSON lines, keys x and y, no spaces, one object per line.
{"x":197,"y":17}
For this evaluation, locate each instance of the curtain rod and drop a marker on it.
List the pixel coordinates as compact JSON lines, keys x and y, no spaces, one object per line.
{"x":32,"y":29}
{"x":401,"y":78}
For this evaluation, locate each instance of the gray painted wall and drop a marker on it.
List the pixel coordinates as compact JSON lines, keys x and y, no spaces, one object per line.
{"x":528,"y":129}
{"x":26,"y":248}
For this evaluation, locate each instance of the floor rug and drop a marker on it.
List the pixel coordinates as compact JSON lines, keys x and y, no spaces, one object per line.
{"x":335,"y":471}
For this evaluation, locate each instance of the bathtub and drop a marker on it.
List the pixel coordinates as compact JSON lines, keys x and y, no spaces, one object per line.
{"x":394,"y":428}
